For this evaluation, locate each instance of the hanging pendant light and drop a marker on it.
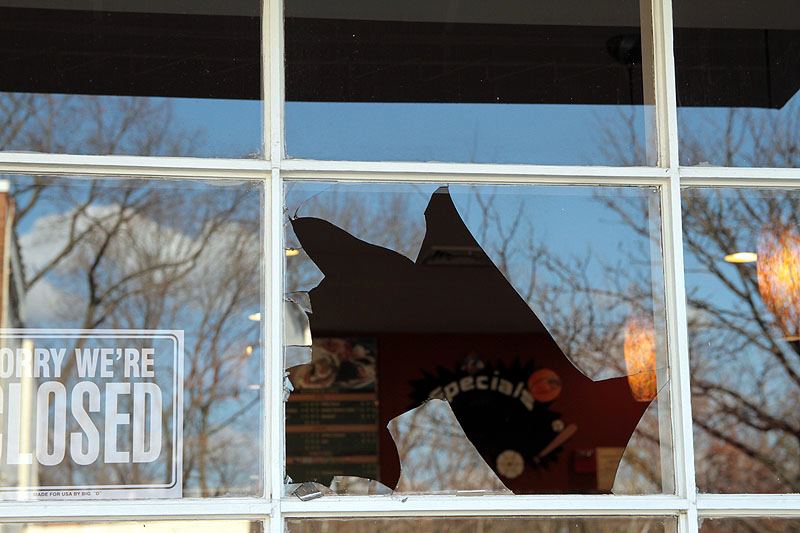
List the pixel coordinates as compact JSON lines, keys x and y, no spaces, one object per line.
{"x":640,"y":357}
{"x":779,"y":276}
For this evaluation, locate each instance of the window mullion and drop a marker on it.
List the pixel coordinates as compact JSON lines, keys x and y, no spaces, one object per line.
{"x":666,"y":99}
{"x":273,"y":13}
{"x":678,"y":342}
{"x":266,"y":75}
{"x":678,"y":339}
{"x":719,"y":505}
{"x":274,"y":331}
{"x":131,"y":166}
{"x":138,"y":510}
{"x":438,"y":171}
{"x":740,"y":177}
{"x":515,"y":505}
{"x":275,"y":105}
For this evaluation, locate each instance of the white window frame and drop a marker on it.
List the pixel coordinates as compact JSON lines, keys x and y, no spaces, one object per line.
{"x":686,"y":505}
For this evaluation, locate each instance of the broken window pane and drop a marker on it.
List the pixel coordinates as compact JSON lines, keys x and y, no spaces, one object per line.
{"x":742,"y":258}
{"x":484,"y":525}
{"x":177,"y":78}
{"x":548,"y":82}
{"x":737,"y":66}
{"x":136,"y":255}
{"x":498,"y":339}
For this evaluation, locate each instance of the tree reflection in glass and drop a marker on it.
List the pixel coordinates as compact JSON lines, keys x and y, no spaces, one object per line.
{"x":154,"y":254}
{"x":744,"y":354}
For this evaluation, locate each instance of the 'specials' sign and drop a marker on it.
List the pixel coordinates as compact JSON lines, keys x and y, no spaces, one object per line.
{"x":90,"y":413}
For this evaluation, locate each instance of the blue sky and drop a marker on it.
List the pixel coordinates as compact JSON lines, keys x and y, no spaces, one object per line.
{"x":232,"y":128}
{"x":483,"y":133}
{"x":480,"y":133}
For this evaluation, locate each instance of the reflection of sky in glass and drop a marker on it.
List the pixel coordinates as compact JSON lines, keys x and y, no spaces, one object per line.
{"x":199,"y":297}
{"x":741,"y":136}
{"x":704,"y":285}
{"x":152,"y":126}
{"x":231,"y":128}
{"x":474,"y":133}
{"x":572,"y":224}
{"x":742,"y":365}
{"x":571,"y":221}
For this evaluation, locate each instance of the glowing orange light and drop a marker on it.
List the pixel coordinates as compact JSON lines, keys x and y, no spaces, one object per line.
{"x":779,"y":276}
{"x":640,"y":357}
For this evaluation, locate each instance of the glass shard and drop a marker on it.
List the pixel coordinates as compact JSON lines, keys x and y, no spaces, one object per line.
{"x":310,"y":491}
{"x":553,"y":247}
{"x":297,"y":331}
{"x":296,"y":356}
{"x":393,"y":221}
{"x":436,"y":456}
{"x":302,"y":299}
{"x":358,"y":486}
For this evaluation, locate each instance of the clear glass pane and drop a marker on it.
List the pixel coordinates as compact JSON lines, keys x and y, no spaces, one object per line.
{"x":738,"y":73}
{"x":749,"y":525}
{"x":171,"y":526}
{"x":742,"y":259}
{"x":495,"y":339}
{"x":485,"y":525}
{"x":549,"y":82}
{"x":126,"y":259}
{"x":176,"y":78}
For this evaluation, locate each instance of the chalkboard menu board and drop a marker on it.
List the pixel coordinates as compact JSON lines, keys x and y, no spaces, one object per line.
{"x":332,"y":415}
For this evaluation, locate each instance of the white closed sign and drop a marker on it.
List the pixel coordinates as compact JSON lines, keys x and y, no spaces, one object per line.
{"x":91,"y":413}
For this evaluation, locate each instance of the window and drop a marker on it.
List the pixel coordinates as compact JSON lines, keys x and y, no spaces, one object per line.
{"x":176,"y":79}
{"x":354,"y":266}
{"x":741,"y":420}
{"x":543,"y":83}
{"x":737,"y":83}
{"x":488,"y":337}
{"x":124,"y":254}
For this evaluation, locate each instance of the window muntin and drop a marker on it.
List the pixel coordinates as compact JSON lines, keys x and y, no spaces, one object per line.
{"x":177,"y":79}
{"x":514,"y":82}
{"x":737,"y":82}
{"x":137,"y":254}
{"x":742,"y":328}
{"x":161,"y":526}
{"x":420,"y":291}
